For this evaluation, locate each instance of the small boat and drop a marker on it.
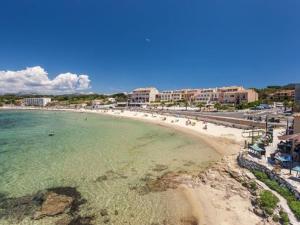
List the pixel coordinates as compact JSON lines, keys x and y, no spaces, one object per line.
{"x":51,"y":133}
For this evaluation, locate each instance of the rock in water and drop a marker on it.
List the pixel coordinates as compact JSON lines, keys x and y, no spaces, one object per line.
{"x":54,"y":204}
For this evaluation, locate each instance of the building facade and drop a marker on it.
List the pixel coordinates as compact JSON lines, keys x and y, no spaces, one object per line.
{"x":36,"y":101}
{"x":207,"y":95}
{"x":143,"y":96}
{"x":223,"y":95}
{"x":282,"y":95}
{"x":297,"y":123}
{"x":236,"y":95}
{"x":297,"y":98}
{"x":179,"y":95}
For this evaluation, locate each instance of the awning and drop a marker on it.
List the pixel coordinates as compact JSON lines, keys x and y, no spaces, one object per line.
{"x":297,"y":169}
{"x":286,"y":158}
{"x":293,"y":137}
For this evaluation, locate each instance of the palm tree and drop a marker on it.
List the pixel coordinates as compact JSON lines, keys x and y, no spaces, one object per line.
{"x":218,"y":106}
{"x":285,"y":104}
{"x":200,"y":105}
{"x":162,"y":105}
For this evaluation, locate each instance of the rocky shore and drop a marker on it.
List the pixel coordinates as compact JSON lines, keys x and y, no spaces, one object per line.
{"x":61,"y":201}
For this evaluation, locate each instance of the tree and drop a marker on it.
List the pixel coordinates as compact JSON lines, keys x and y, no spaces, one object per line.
{"x":218,"y":106}
{"x":162,"y":105}
{"x":200,"y":105}
{"x":285,"y":104}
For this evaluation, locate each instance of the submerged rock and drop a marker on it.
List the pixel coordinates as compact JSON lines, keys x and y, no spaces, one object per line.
{"x":86,"y":220}
{"x":53,"y":205}
{"x":17,"y":208}
{"x":50,"y":202}
{"x":103,"y":212}
{"x":101,"y":178}
{"x":111,"y":175}
{"x":169,"y":180}
{"x":189,"y":221}
{"x":160,"y":167}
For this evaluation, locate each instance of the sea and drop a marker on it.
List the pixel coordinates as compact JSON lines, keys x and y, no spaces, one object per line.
{"x":114,"y":163}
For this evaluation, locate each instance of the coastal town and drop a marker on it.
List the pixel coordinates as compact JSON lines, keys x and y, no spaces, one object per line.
{"x":268,"y":134}
{"x":149,"y":112}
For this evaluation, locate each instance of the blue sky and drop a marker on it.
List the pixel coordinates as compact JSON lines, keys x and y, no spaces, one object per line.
{"x":169,"y":44}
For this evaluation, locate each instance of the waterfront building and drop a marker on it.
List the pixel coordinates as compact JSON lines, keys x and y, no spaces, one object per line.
{"x":143,"y":96}
{"x":166,"y":96}
{"x":296,"y":123}
{"x":36,"y":101}
{"x":236,"y":95}
{"x":207,"y":95}
{"x":178,"y":95}
{"x":223,"y":95}
{"x":297,"y":98}
{"x":282,"y":95}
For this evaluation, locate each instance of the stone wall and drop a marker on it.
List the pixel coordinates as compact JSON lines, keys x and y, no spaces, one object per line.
{"x":246,"y":162}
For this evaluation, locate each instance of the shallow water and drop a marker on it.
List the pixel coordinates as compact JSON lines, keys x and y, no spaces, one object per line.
{"x":106,"y":158}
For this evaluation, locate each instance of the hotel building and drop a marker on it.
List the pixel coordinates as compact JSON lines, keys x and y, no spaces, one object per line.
{"x":297,"y":98}
{"x":282,"y":95}
{"x":296,"y":123}
{"x":143,"y":96}
{"x":178,"y":95}
{"x":223,"y":95}
{"x":207,"y":95}
{"x":236,"y":95}
{"x":36,"y":101}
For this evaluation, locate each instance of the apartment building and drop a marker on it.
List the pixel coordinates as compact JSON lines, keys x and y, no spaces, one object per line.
{"x":226,"y":95}
{"x":282,"y":95}
{"x":166,"y":96}
{"x":236,"y":95}
{"x":297,"y":98}
{"x":143,"y":96}
{"x":178,"y":95}
{"x":223,"y":95}
{"x":36,"y":101}
{"x":207,"y":95}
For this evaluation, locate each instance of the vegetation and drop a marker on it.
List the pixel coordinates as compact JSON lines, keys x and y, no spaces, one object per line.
{"x":64,"y":99}
{"x":293,"y":203}
{"x":284,"y":219}
{"x":268,"y":202}
{"x":263,"y":93}
{"x":248,"y":105}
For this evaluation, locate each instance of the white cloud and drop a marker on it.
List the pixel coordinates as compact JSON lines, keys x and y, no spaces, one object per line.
{"x":35,"y":79}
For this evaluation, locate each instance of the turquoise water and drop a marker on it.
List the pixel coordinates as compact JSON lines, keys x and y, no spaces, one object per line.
{"x":87,"y":147}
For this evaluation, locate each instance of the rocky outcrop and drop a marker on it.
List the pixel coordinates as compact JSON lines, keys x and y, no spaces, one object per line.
{"x":53,"y":205}
{"x":51,"y":202}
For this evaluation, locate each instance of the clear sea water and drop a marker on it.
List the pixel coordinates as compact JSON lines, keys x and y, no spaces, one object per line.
{"x":83,"y":150}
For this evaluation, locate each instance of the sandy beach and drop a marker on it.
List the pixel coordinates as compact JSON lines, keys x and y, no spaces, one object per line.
{"x":212,"y":197}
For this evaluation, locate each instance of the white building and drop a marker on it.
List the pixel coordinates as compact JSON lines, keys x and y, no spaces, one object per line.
{"x":143,"y":96}
{"x":36,"y":101}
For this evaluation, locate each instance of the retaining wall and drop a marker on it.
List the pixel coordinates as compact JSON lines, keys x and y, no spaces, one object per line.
{"x":245,"y":162}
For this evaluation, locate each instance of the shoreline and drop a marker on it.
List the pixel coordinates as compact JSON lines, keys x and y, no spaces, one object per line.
{"x":224,"y":140}
{"x":218,"y":199}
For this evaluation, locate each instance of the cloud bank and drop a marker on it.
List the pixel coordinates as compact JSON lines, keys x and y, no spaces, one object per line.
{"x":35,"y":80}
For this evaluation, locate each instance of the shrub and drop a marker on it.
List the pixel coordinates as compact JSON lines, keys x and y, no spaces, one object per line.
{"x":253,"y":185}
{"x":284,"y":219}
{"x":260,"y":175}
{"x":295,"y":207}
{"x":293,"y":203}
{"x":268,"y":201}
{"x":276,"y":218}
